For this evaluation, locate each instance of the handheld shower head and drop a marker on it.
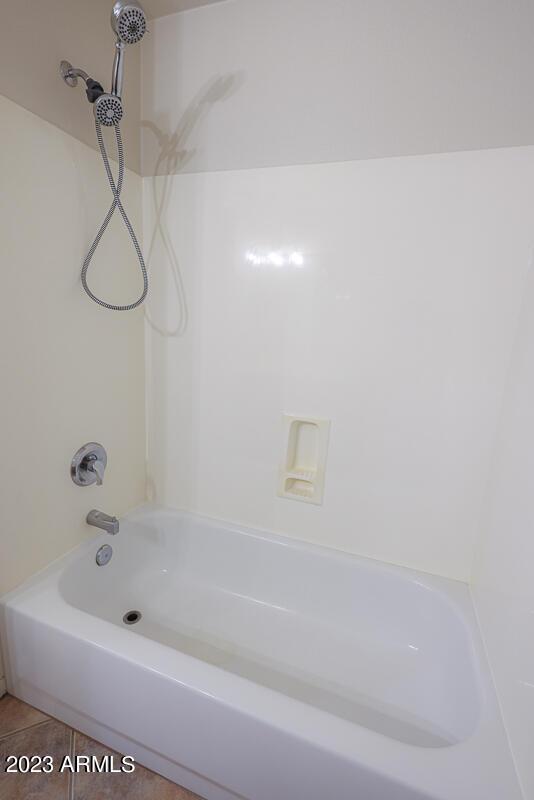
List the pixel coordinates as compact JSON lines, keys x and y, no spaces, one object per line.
{"x":128,"y":21}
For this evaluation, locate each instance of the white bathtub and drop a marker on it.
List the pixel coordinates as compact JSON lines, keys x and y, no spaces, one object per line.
{"x":262,"y":668}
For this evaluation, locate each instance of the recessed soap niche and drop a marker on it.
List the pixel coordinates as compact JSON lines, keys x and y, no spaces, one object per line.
{"x":302,"y":473}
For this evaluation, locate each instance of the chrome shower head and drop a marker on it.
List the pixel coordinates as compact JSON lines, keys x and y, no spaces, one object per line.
{"x":108,"y":109}
{"x":128,"y":21}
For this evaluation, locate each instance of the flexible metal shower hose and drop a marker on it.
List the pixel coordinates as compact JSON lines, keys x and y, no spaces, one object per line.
{"x":116,"y":190}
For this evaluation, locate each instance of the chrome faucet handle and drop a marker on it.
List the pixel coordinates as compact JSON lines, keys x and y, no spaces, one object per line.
{"x":98,"y":467}
{"x":89,"y":464}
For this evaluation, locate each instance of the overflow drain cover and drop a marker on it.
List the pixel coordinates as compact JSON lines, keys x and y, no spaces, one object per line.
{"x":131,"y":617}
{"x":103,"y":555}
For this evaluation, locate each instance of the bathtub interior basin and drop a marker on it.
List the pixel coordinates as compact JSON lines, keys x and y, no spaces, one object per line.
{"x":373,"y":645}
{"x":260,"y":667}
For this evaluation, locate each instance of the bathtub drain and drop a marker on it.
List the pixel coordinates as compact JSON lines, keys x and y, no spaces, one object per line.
{"x":131,"y":617}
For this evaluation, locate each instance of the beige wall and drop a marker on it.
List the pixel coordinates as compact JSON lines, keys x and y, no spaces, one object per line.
{"x":160,"y":8}
{"x":256,"y":83}
{"x":36,"y":34}
{"x":71,"y":371}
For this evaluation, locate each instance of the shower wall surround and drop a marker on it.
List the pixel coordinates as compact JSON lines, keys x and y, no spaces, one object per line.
{"x":383,"y":293}
{"x":503,"y":575}
{"x":72,"y":372}
{"x":379,"y":293}
{"x":397,"y":326}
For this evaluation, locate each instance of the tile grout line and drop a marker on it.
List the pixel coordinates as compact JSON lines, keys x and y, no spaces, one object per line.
{"x":25,"y":728}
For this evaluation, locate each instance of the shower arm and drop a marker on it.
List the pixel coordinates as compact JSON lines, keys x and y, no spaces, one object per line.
{"x":71,"y":74}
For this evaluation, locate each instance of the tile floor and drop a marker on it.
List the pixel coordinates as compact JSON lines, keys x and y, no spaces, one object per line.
{"x":24,"y":731}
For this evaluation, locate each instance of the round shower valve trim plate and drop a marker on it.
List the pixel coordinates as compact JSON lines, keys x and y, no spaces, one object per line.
{"x":88,"y":463}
